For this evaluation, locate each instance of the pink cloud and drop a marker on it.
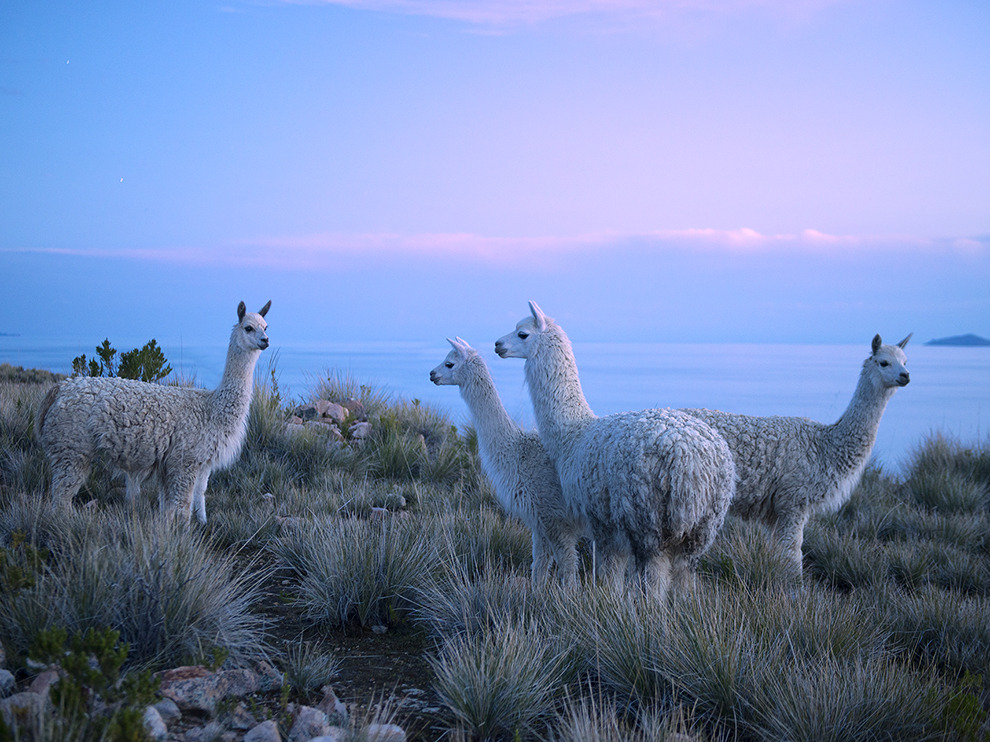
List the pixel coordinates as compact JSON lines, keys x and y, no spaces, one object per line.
{"x":329,"y":250}
{"x":527,"y":12}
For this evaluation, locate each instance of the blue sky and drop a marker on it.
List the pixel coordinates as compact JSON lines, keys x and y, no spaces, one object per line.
{"x":747,"y":170}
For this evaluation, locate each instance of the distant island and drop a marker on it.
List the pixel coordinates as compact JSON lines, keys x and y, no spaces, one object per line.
{"x":970,"y":341}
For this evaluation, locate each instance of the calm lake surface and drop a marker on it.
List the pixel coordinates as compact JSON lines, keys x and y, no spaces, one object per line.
{"x":949,"y":389}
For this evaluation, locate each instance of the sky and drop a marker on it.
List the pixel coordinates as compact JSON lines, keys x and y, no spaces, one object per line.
{"x":670,"y":171}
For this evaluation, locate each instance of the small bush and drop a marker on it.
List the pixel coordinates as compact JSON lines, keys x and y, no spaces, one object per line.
{"x":502,"y":681}
{"x":147,"y":364}
{"x":354,"y":571}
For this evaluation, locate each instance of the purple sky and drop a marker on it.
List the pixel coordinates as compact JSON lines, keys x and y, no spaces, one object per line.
{"x":747,"y":170}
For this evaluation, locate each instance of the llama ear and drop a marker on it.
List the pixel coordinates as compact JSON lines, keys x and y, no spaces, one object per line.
{"x":877,"y":342}
{"x":264,"y":310}
{"x":905,"y":341}
{"x":539,"y":316}
{"x":460,"y":346}
{"x":241,"y":311}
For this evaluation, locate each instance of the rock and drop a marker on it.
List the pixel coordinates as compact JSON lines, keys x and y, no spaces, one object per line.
{"x":240,"y":718}
{"x":194,"y":688}
{"x":168,"y":710}
{"x":337,"y":412}
{"x":307,"y":412}
{"x":356,"y":408}
{"x":333,"y":707}
{"x":43,"y":682}
{"x":154,"y":725}
{"x":385,"y":733}
{"x":269,"y":677}
{"x":335,"y":734}
{"x":309,"y":722}
{"x":7,"y":683}
{"x":266,"y":731}
{"x":22,"y":706}
{"x":360,"y":431}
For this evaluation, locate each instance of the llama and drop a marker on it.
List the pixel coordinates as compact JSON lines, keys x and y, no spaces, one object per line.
{"x":179,"y":433}
{"x":789,"y":467}
{"x":515,"y":462}
{"x":654,"y":484}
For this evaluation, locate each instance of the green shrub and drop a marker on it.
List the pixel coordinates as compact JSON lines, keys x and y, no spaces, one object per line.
{"x":145,"y":364}
{"x":92,"y":700}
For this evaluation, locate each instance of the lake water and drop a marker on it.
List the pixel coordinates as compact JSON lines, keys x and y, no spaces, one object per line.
{"x":949,"y":388}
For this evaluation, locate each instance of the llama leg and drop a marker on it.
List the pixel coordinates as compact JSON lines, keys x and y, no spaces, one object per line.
{"x":132,"y":491}
{"x":70,"y":468}
{"x":541,"y":560}
{"x":565,"y":555}
{"x":684,"y":572}
{"x":199,"y":495}
{"x":179,"y":494}
{"x":655,"y":572}
{"x":790,"y":536}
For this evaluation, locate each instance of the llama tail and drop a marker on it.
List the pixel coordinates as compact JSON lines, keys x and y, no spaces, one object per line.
{"x":703,"y":481}
{"x":46,"y":405}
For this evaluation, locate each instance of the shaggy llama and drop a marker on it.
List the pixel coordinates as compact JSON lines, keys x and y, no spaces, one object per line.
{"x":525,"y":481}
{"x":179,"y":433}
{"x":654,"y":484}
{"x":789,"y":467}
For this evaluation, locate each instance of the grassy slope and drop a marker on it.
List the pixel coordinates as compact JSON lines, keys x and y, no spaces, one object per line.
{"x":312,"y":547}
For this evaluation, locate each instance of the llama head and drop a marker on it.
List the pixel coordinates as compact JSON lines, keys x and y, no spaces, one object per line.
{"x":453,"y":370}
{"x":522,"y":342}
{"x":887,"y":363}
{"x":250,"y":330}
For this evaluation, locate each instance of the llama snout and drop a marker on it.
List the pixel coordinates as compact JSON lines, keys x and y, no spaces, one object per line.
{"x":434,"y":378}
{"x":904,"y":378}
{"x":263,"y":343}
{"x":499,"y":349}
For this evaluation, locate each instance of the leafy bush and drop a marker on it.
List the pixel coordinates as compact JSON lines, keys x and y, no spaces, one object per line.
{"x":145,"y":364}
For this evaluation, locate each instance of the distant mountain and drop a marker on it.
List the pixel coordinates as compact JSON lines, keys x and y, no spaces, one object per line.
{"x":970,"y":340}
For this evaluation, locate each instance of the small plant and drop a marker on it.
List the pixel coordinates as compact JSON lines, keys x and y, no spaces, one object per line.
{"x":92,"y":701}
{"x":145,"y":364}
{"x":20,"y":564}
{"x":308,"y":667}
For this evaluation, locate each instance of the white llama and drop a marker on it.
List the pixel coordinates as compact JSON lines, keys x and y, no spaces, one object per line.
{"x":655,"y":483}
{"x":789,"y":467}
{"x":525,"y":481}
{"x":181,"y":434}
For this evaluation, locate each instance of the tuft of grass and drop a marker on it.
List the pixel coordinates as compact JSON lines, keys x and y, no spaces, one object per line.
{"x":457,"y":600}
{"x":354,"y":571}
{"x":501,"y":681}
{"x":309,"y":666}
{"x":621,"y":640}
{"x":841,"y":560}
{"x":169,"y":594}
{"x":947,"y":491}
{"x":835,"y":701}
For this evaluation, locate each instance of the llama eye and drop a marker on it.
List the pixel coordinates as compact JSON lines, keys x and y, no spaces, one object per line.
{"x":523,"y":335}
{"x":248,"y":329}
{"x":884,"y":364}
{"x":449,"y":365}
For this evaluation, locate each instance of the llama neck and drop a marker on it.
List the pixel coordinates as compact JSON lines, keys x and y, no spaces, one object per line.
{"x":559,"y":404}
{"x":491,"y":421}
{"x":233,"y":395}
{"x":852,"y":436}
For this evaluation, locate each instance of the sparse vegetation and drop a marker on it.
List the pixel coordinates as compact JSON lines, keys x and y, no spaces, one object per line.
{"x":396,"y":539}
{"x":145,"y":364}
